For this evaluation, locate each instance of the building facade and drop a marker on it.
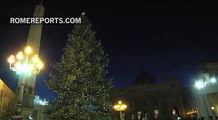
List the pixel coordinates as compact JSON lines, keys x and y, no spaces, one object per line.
{"x":147,"y":99}
{"x":7,"y":100}
{"x":205,"y":98}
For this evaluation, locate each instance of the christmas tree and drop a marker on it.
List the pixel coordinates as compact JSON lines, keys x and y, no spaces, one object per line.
{"x":80,"y":78}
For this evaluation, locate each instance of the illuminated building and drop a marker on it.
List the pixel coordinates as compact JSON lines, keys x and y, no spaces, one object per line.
{"x":147,"y":99}
{"x":204,"y":95}
{"x":7,"y":100}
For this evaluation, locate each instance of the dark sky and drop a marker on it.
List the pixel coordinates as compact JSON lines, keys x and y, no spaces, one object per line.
{"x":168,"y":38}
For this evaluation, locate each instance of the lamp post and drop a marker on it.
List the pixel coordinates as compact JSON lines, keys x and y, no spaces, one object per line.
{"x":120,"y":107}
{"x":25,"y":64}
{"x":213,"y":110}
{"x":201,"y":84}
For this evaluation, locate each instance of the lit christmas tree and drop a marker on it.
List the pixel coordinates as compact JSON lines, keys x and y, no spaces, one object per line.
{"x":79,"y":79}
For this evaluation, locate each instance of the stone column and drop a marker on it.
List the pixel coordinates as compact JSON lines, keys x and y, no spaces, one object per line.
{"x":203,"y":105}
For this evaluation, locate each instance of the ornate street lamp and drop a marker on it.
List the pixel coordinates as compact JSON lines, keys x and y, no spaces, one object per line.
{"x":120,"y":107}
{"x":25,"y":64}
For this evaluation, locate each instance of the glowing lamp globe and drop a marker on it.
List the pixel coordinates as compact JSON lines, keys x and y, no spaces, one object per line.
{"x":213,"y":80}
{"x":20,"y":55}
{"x":11,"y":59}
{"x":35,"y":58}
{"x":40,"y":65}
{"x":199,"y":84}
{"x":28,"y":50}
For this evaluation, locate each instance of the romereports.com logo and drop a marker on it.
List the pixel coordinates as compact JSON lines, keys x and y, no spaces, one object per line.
{"x":45,"y":20}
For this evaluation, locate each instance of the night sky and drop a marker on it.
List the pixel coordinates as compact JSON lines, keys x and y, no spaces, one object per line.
{"x":167,"y":38}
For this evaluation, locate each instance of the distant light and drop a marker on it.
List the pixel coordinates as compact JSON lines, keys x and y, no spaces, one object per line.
{"x":213,"y":80}
{"x":174,"y":112}
{"x":120,"y":106}
{"x":30,"y":116}
{"x":199,"y":84}
{"x":212,"y":108}
{"x":38,"y":101}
